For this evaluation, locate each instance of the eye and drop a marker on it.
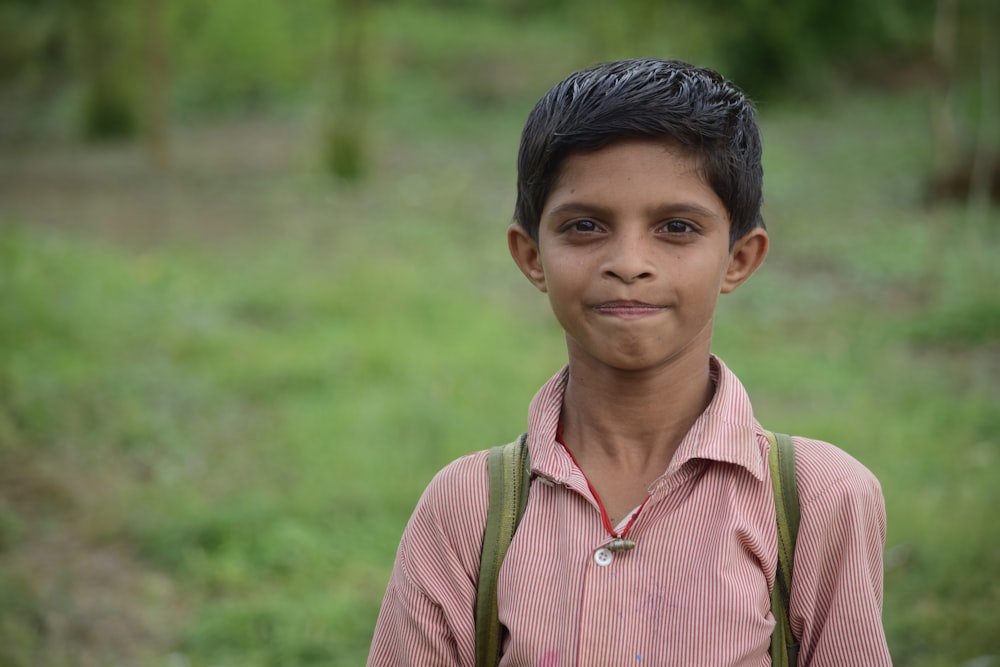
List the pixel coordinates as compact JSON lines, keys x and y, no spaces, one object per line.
{"x":584,"y":225}
{"x":679,"y":227}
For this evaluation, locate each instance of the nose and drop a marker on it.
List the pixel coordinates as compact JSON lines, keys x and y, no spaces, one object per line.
{"x":629,"y":259}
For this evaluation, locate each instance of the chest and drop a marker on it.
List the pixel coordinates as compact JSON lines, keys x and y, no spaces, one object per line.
{"x":697,"y":580}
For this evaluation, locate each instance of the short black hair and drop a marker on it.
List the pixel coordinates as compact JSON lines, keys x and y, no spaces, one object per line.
{"x":645,"y":98}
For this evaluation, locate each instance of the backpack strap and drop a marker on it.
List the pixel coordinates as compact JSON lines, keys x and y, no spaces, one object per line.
{"x":781,"y":461}
{"x":509,"y":472}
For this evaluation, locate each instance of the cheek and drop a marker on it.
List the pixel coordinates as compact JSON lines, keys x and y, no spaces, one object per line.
{"x":714,"y":273}
{"x":557,"y":278}
{"x":700,"y":272}
{"x":564,"y":298}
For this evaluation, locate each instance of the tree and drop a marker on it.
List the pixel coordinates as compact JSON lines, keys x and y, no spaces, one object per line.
{"x":102,"y":32}
{"x":346,"y":130}
{"x":157,"y":89}
{"x":776,"y":47}
{"x":966,"y":150}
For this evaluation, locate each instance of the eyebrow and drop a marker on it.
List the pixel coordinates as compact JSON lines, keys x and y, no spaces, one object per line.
{"x":663,"y":210}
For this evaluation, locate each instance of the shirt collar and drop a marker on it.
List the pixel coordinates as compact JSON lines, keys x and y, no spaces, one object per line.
{"x":726,"y":431}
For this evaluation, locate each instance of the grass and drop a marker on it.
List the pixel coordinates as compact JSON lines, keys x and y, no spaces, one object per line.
{"x":239,"y":416}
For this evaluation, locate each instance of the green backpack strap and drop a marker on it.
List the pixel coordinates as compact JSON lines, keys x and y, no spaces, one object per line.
{"x":510,"y":476}
{"x":781,"y":461}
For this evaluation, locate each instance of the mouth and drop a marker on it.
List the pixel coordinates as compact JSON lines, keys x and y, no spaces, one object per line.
{"x":627,"y":309}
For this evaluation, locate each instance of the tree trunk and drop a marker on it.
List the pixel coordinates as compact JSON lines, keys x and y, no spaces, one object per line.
{"x":346,"y":131}
{"x":108,"y":104}
{"x":985,"y":148}
{"x":157,"y":106}
{"x":944,"y":130}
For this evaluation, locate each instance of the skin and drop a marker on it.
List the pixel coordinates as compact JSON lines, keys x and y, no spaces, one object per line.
{"x":633,"y":253}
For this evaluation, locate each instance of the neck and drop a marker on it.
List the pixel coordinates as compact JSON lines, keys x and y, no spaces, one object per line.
{"x":634,"y":419}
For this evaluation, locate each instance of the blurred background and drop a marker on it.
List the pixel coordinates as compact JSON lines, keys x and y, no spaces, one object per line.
{"x":254,"y":292}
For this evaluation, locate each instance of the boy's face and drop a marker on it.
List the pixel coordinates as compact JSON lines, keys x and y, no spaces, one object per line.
{"x":633,"y":251}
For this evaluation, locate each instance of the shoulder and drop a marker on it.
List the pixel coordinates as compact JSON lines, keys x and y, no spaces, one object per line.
{"x":449,"y":518}
{"x":838,"y":496}
{"x":822,"y":468}
{"x":460,"y":487}
{"x":458,"y":493}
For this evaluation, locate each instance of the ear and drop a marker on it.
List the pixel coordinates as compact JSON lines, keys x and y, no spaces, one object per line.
{"x":747,"y":254}
{"x":524,"y":250}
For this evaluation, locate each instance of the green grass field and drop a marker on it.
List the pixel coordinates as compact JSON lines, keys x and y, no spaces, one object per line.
{"x":224,"y":389}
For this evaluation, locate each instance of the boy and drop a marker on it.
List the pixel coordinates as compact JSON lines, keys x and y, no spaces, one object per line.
{"x":649,"y":535}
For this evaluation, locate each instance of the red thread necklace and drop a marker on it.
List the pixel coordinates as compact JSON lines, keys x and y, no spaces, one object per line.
{"x":619,"y":543}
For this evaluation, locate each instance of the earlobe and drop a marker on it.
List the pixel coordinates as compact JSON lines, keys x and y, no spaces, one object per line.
{"x":524,"y":251}
{"x":747,"y":254}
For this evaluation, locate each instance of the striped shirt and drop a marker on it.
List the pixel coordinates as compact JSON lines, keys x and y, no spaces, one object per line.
{"x":693,"y":591}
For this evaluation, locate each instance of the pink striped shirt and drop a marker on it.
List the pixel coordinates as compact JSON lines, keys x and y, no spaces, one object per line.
{"x":694,"y":590}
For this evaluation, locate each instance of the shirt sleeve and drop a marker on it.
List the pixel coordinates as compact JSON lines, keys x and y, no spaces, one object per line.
{"x":836,"y":603}
{"x":428,"y":612}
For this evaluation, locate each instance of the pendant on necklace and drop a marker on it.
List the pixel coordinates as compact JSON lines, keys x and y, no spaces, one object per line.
{"x":620,"y":544}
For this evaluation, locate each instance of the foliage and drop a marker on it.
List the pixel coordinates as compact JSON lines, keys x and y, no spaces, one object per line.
{"x":774,"y":48}
{"x":226,"y":58}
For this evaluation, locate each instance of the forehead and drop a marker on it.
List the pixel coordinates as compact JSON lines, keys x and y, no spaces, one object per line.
{"x":628,"y":150}
{"x":644,"y":168}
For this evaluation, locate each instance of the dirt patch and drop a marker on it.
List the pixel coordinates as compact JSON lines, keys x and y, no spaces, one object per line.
{"x":221,"y":181}
{"x":87,"y":604}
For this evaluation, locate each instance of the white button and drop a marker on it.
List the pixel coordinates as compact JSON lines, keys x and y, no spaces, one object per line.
{"x":603,"y":557}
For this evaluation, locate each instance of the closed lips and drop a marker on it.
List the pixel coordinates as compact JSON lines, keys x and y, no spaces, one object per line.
{"x":627,"y":307}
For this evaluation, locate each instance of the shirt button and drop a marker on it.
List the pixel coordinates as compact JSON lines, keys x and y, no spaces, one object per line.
{"x":603,"y":557}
